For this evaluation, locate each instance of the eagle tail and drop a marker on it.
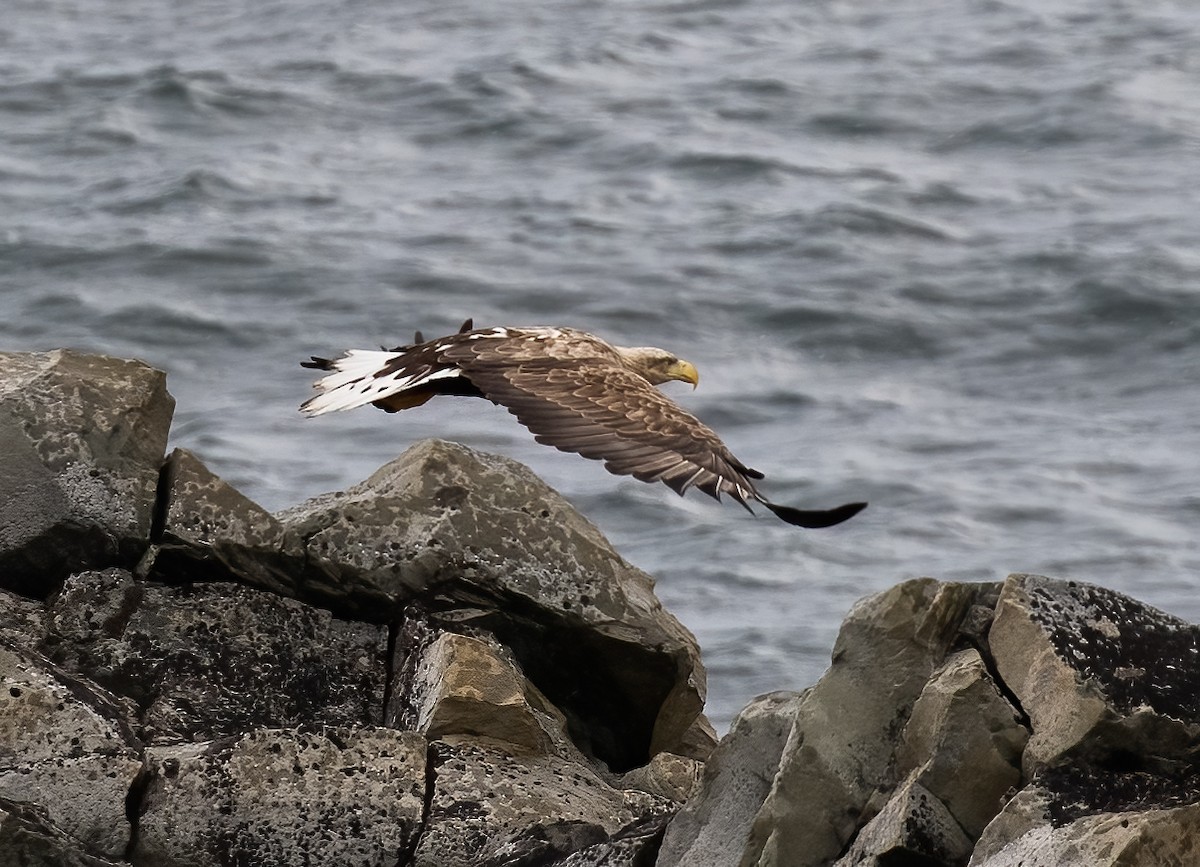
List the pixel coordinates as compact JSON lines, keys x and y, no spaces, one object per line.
{"x":814,"y":518}
{"x":363,"y":376}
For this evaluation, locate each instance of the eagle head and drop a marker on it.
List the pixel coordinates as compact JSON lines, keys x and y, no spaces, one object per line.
{"x":657,"y":365}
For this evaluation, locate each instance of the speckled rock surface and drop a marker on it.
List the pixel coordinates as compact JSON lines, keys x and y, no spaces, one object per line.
{"x":479,"y":537}
{"x":489,"y":803}
{"x":210,"y":660}
{"x":81,"y":441}
{"x":1087,"y":663}
{"x":914,"y":827}
{"x":65,"y":746}
{"x":336,"y":795}
{"x":212,"y":532}
{"x":962,"y":720}
{"x":29,"y":839}
{"x":1150,"y":838}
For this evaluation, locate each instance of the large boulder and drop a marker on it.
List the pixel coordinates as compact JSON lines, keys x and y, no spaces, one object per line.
{"x":478,"y":538}
{"x":1092,"y":666}
{"x":841,"y":742}
{"x":207,"y":661}
{"x":81,"y":443}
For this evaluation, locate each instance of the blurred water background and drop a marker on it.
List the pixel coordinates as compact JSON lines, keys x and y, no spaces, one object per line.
{"x":941,"y":256}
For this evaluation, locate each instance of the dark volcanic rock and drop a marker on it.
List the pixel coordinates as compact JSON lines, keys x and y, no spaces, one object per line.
{"x":209,"y":660}
{"x":492,"y":805}
{"x":29,"y":839}
{"x":65,"y":745}
{"x":81,"y":443}
{"x":212,"y":532}
{"x":335,"y":795}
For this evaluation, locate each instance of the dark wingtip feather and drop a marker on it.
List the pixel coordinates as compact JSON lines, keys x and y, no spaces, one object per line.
{"x":467,"y":326}
{"x":318,"y":363}
{"x":816,"y":518}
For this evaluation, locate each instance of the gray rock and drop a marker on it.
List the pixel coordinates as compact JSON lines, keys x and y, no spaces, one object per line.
{"x":492,"y":805}
{"x":22,"y":621}
{"x":635,"y":845}
{"x":212,"y":532}
{"x":29,"y":839}
{"x":479,"y":539}
{"x":66,"y":746}
{"x":840,"y":748}
{"x":1090,"y":665}
{"x":336,"y":795}
{"x":1067,"y":804}
{"x":214,"y":660}
{"x":1152,"y":838}
{"x":81,"y":442}
{"x":667,"y":776}
{"x":913,"y":827}
{"x":713,"y":826}
{"x":961,"y":721}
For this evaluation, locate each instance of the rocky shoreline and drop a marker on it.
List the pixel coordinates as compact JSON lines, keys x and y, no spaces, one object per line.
{"x":447,"y":665}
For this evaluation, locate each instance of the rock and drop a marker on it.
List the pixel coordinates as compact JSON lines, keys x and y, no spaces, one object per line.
{"x":465,"y":686}
{"x":214,"y":660}
{"x":667,"y":776}
{"x":635,"y":845}
{"x":22,"y":621}
{"x":914,"y":827}
{"x":962,"y":721}
{"x":28,"y":838}
{"x":212,"y":532}
{"x":489,"y":804}
{"x":1162,"y":838}
{"x":81,"y":443}
{"x":1091,"y":665}
{"x":337,"y":795}
{"x":478,"y":538}
{"x":65,"y":746}
{"x":713,"y":826}
{"x":840,"y":748}
{"x":1103,"y":813}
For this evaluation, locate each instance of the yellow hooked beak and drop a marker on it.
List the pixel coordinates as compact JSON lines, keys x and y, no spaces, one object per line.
{"x":684,"y":371}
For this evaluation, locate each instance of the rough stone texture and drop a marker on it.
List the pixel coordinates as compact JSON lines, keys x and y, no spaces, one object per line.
{"x":1089,"y":664}
{"x":962,"y":721}
{"x":914,"y":827}
{"x":480,"y":538}
{"x":29,"y":839}
{"x":1151,"y":838}
{"x":712,"y":827}
{"x":840,"y":749}
{"x":65,"y":747}
{"x":667,"y":776}
{"x":284,"y":797}
{"x":212,"y":532}
{"x":635,"y":845}
{"x":464,"y":685}
{"x":81,"y":442}
{"x":22,"y":621}
{"x":211,"y":660}
{"x":491,"y":804}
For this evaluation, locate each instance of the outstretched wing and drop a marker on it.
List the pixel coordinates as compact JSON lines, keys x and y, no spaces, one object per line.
{"x":587,"y":403}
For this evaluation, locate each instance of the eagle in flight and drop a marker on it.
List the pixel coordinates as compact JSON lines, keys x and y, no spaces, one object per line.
{"x":574,"y":391}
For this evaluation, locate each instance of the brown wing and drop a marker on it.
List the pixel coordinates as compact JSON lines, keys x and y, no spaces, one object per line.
{"x":589,"y":404}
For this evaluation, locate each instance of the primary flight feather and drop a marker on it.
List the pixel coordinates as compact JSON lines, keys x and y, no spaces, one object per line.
{"x":574,"y":391}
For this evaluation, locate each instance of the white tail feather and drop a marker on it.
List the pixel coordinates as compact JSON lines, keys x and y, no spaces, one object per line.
{"x":353,"y":382}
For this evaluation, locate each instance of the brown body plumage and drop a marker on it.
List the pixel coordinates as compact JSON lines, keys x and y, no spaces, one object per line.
{"x":574,"y":391}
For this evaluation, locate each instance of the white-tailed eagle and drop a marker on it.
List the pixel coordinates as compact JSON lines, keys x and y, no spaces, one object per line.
{"x":574,"y":391}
